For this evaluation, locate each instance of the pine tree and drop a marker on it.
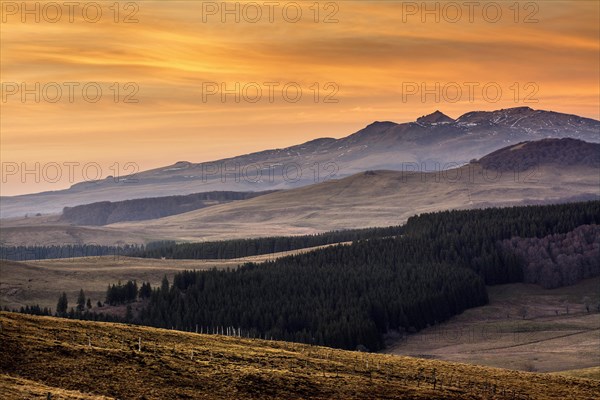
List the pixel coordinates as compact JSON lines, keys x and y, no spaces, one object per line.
{"x":63,"y":305}
{"x":164,"y":286}
{"x":129,"y":314}
{"x":145,"y":290}
{"x":81,"y":301}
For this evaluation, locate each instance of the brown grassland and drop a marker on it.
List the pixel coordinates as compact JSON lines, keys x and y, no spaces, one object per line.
{"x":374,"y":198}
{"x":42,"y":281}
{"x":524,"y":327}
{"x":86,"y":360}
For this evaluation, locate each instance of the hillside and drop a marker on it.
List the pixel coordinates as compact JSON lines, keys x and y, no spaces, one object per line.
{"x":561,"y":152}
{"x":383,"y":198}
{"x":431,"y":139}
{"x":40,"y":282}
{"x":129,"y":362}
{"x":524,"y":327}
{"x":107,"y":212}
{"x":372,"y":198}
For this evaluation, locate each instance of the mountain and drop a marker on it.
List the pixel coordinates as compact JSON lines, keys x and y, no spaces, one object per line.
{"x":436,"y":117}
{"x":432,"y":142}
{"x":540,"y":172}
{"x":383,"y":198}
{"x":561,"y":152}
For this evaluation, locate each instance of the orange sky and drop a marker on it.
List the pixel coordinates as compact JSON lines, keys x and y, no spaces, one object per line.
{"x":372,"y":54}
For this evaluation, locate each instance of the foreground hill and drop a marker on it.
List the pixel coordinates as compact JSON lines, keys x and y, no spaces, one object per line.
{"x":381,"y":145}
{"x":73,"y":359}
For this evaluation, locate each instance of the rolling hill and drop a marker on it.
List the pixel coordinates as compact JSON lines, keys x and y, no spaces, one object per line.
{"x":41,"y":281}
{"x":107,"y":212}
{"x":540,"y":172}
{"x":91,"y":359}
{"x":429,"y":141}
{"x":558,"y":152}
{"x":383,"y":198}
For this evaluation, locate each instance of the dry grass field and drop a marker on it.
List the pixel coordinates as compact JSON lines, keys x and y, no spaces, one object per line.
{"x":589,"y":373}
{"x":494,"y":335}
{"x":376,"y":198}
{"x":86,"y":360}
{"x":379,"y":198}
{"x":42,"y":281}
{"x":524,"y":327}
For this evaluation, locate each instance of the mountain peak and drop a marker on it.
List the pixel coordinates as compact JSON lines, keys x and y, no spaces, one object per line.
{"x":436,"y":117}
{"x":381,"y":124}
{"x":519,"y":109}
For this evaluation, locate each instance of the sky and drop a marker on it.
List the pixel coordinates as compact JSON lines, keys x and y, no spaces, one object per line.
{"x":92,"y":91}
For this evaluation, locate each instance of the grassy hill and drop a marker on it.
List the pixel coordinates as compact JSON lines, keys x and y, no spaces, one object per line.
{"x":86,"y":360}
{"x":590,"y":373}
{"x":374,"y":198}
{"x":368,"y":199}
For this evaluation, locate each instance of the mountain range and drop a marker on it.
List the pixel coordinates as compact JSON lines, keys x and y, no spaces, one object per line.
{"x":386,"y":197}
{"x":431,"y":143}
{"x":534,"y":172}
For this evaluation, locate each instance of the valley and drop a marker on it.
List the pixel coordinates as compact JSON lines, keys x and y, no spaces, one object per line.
{"x":337,"y":200}
{"x":546,"y":339}
{"x":444,"y":292}
{"x":524,"y":327}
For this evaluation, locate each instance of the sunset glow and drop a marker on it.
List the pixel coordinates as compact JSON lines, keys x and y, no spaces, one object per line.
{"x":170,"y":67}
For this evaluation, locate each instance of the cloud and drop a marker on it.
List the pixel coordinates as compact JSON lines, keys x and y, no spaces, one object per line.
{"x":373,"y":49}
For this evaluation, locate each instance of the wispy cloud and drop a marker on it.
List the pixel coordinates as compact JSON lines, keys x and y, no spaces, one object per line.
{"x":369,"y":54}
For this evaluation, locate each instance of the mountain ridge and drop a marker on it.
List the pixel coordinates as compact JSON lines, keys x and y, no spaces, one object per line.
{"x":437,"y":117}
{"x":387,"y":197}
{"x":379,"y":145}
{"x":365,"y":199}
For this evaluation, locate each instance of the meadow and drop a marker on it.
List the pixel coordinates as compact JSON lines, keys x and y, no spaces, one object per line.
{"x":66,"y":359}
